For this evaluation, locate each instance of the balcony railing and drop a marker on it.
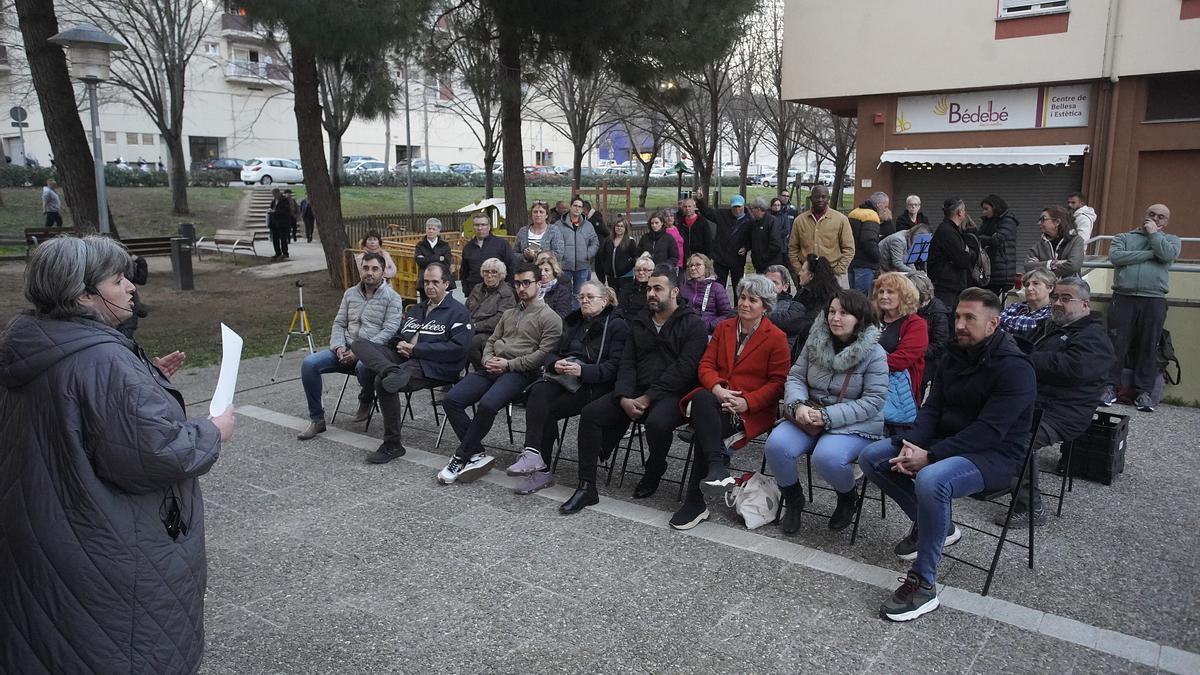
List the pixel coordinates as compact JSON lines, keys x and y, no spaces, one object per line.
{"x":236,"y":22}
{"x":255,"y":71}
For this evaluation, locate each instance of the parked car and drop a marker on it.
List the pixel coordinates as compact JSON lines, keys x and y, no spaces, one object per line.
{"x":662,"y":172}
{"x":267,"y":170}
{"x":346,"y":159}
{"x":226,"y":165}
{"x":563,"y":170}
{"x":466,"y":168}
{"x":366,"y":166}
{"x":424,"y":166}
{"x":538,"y":171}
{"x":771,"y":178}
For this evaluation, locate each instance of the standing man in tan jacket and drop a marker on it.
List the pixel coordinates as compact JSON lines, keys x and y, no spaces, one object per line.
{"x":825,"y":232}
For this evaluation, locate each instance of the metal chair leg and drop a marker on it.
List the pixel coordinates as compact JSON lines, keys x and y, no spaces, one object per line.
{"x":562,"y":434}
{"x":338,"y":407}
{"x":635,"y":430}
{"x":694,"y":465}
{"x":433,"y":402}
{"x":862,"y":495}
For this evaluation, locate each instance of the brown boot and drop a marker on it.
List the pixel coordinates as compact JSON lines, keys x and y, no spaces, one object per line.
{"x":364,"y":412}
{"x":313,"y":429}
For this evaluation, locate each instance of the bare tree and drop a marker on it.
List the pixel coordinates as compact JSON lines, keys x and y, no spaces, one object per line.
{"x":162,"y":37}
{"x":646,"y":133}
{"x":56,"y":98}
{"x":831,"y":136}
{"x":781,"y":118}
{"x":352,"y":86}
{"x":579,"y":105}
{"x":746,"y":127}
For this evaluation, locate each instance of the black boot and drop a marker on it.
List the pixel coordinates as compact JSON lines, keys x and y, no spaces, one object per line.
{"x":585,"y":495}
{"x":793,"y":505}
{"x":843,"y":514}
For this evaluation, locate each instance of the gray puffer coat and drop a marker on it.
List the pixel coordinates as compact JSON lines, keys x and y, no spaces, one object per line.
{"x":95,"y":442}
{"x":819,"y":373}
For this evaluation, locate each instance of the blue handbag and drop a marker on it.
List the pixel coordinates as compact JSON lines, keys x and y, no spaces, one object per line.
{"x":900,"y":406}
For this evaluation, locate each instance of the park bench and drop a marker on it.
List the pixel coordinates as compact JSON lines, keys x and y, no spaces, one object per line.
{"x":146,"y":247}
{"x":234,"y":239}
{"x":36,"y":235}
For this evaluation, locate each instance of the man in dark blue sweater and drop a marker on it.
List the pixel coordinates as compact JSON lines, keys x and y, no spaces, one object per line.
{"x":970,"y":436}
{"x":429,"y":350}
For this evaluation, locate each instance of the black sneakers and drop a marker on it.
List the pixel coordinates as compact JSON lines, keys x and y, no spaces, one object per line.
{"x":646,"y":487}
{"x":689,"y":515}
{"x":386,"y":453}
{"x":911,"y":600}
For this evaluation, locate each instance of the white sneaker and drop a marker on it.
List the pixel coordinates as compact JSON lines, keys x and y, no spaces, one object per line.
{"x":452,"y":470}
{"x":476,"y":467}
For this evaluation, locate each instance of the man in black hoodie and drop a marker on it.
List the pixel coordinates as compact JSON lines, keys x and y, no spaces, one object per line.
{"x":1071,"y":354}
{"x":970,"y":436}
{"x":732,"y":240}
{"x":658,"y":367}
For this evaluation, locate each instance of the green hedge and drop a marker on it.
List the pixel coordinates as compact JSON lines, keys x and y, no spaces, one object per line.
{"x":14,"y":175}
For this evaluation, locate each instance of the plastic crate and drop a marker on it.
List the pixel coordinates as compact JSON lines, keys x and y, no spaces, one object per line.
{"x":1099,"y":453}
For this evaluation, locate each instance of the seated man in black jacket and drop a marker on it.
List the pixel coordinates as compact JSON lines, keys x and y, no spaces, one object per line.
{"x":429,"y":350}
{"x":1071,"y":355}
{"x":658,"y":367}
{"x":970,"y":436}
{"x":789,"y":315}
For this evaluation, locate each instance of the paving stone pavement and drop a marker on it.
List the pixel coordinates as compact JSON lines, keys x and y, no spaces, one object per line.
{"x":320,"y":563}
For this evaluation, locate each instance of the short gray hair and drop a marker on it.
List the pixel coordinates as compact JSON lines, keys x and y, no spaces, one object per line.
{"x":1043,"y":275}
{"x":1082,"y":289}
{"x":435,"y":222}
{"x":784,"y":273}
{"x":878,"y":199}
{"x":64,"y":268}
{"x":924,"y":287}
{"x":760,"y":287}
{"x":494,"y":264}
{"x":759,"y":203}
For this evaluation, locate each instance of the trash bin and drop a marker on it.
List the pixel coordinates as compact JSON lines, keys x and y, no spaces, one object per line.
{"x":181,"y":262}
{"x":188,"y":231}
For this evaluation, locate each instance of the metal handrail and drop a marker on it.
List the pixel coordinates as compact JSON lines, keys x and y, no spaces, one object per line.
{"x":1105,"y":264}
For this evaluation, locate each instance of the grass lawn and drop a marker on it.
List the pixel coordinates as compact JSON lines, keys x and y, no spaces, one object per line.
{"x":143,"y":212}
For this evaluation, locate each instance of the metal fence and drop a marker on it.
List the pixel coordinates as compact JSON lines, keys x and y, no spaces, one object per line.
{"x":357,"y":227}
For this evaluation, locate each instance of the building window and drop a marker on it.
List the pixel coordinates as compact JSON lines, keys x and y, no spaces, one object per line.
{"x":1012,"y":9}
{"x":212,"y":49}
{"x":147,"y":139}
{"x":1174,"y":96}
{"x":543,"y":158}
{"x":131,"y":139}
{"x":110,"y":137}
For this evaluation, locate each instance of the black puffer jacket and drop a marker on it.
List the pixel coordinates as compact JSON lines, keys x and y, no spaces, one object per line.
{"x":733,"y":235}
{"x":632,"y":298}
{"x":950,"y":259}
{"x":661,"y":246}
{"x":475,"y":253}
{"x":95,"y":441}
{"x":998,"y":235}
{"x":662,"y":363}
{"x":1072,"y":363}
{"x":980,"y":407}
{"x":768,"y":243}
{"x":615,"y":260}
{"x":597,"y":343}
{"x":937,"y":319}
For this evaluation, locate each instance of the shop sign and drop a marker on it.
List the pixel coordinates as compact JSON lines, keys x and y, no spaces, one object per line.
{"x":1031,"y":108}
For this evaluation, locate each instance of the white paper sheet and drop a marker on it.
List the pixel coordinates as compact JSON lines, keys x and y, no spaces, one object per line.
{"x":231,"y":358}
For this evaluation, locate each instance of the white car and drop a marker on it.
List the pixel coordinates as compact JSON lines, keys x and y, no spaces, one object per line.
{"x":267,"y":170}
{"x":366,"y":166}
{"x":771,"y":179}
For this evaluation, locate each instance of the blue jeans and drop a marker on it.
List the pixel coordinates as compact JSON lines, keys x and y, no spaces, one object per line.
{"x":491,"y":393}
{"x":325,"y":361}
{"x":924,"y":499}
{"x":861,"y":279}
{"x":577,"y":279}
{"x":832,"y":455}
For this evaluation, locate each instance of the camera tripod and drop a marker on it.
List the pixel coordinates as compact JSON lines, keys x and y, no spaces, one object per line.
{"x":299,"y":321}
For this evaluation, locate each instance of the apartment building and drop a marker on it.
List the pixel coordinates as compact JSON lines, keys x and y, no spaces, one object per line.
{"x":1027,"y":99}
{"x":239,"y":104}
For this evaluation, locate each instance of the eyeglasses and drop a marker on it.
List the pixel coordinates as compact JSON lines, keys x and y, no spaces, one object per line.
{"x":522,"y":283}
{"x":584,"y":297}
{"x":1064,"y":299}
{"x":539,"y":202}
{"x":1042,"y":219}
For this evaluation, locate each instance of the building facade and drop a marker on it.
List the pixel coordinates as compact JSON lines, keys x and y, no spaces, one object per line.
{"x":1027,"y":99}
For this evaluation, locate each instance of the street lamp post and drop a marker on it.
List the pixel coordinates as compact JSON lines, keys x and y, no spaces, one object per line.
{"x":89,"y":50}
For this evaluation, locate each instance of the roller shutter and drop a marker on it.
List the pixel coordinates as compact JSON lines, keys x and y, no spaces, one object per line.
{"x":1026,"y":189}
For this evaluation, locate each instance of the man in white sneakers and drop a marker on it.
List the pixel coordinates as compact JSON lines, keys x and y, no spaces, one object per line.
{"x":512,"y":360}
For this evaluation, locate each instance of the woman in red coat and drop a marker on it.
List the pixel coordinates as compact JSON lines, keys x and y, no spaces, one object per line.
{"x":741,"y":381}
{"x":904,"y":336}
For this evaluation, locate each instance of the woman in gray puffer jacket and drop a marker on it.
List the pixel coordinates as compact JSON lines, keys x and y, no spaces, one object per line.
{"x":101,"y":517}
{"x":834,"y":399}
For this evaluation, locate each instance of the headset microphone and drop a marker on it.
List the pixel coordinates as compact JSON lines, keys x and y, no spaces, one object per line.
{"x":95,"y":291}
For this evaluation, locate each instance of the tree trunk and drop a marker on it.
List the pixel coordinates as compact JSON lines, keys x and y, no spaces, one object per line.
{"x":56,"y":99}
{"x":509,"y":53}
{"x":576,"y":169}
{"x":646,"y":169}
{"x":744,"y":169}
{"x":335,"y":168}
{"x":178,"y":175}
{"x":312,"y":158}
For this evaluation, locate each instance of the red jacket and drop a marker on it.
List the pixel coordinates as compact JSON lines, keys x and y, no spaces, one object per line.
{"x":759,"y":373}
{"x":910,"y":353}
